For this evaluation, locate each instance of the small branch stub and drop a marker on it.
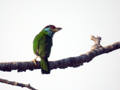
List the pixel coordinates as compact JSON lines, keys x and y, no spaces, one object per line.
{"x":97,"y":42}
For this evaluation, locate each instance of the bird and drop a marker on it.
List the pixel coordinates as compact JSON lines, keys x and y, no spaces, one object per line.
{"x":42,"y":44}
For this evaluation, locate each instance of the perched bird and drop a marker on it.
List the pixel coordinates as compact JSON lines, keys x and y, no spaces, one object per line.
{"x":42,"y":44}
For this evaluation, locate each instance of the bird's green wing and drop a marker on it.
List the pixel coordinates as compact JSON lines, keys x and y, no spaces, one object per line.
{"x":42,"y":44}
{"x":44,"y":47}
{"x":36,"y":42}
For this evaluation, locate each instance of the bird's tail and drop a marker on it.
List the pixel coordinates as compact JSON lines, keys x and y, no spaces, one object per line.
{"x":44,"y":66}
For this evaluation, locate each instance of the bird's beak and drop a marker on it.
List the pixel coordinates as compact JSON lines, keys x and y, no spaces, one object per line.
{"x":56,"y":29}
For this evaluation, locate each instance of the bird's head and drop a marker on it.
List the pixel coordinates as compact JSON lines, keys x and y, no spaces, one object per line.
{"x":51,"y":29}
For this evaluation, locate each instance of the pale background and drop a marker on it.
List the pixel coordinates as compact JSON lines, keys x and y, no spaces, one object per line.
{"x":21,"y":20}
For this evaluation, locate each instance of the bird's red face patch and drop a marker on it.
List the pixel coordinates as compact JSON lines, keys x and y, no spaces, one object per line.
{"x":52,"y":27}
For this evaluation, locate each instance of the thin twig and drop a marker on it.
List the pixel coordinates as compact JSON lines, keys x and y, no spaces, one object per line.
{"x":17,"y":84}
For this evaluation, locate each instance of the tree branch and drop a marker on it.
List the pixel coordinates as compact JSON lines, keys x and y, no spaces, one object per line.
{"x":97,"y":49}
{"x":17,"y":84}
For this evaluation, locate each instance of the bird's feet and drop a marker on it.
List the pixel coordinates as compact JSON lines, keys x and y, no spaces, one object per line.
{"x":35,"y":61}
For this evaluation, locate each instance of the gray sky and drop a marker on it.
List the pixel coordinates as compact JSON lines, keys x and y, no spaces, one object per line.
{"x":21,"y":20}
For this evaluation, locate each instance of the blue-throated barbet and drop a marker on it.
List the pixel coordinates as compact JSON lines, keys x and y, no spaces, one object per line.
{"x":42,"y":44}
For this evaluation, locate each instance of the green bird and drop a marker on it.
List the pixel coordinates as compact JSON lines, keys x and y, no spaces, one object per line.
{"x":42,"y":44}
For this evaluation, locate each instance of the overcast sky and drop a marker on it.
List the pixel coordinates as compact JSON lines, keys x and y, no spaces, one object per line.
{"x":21,"y":20}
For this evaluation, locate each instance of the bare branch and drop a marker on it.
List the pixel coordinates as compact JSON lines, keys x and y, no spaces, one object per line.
{"x":17,"y":84}
{"x":96,"y":50}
